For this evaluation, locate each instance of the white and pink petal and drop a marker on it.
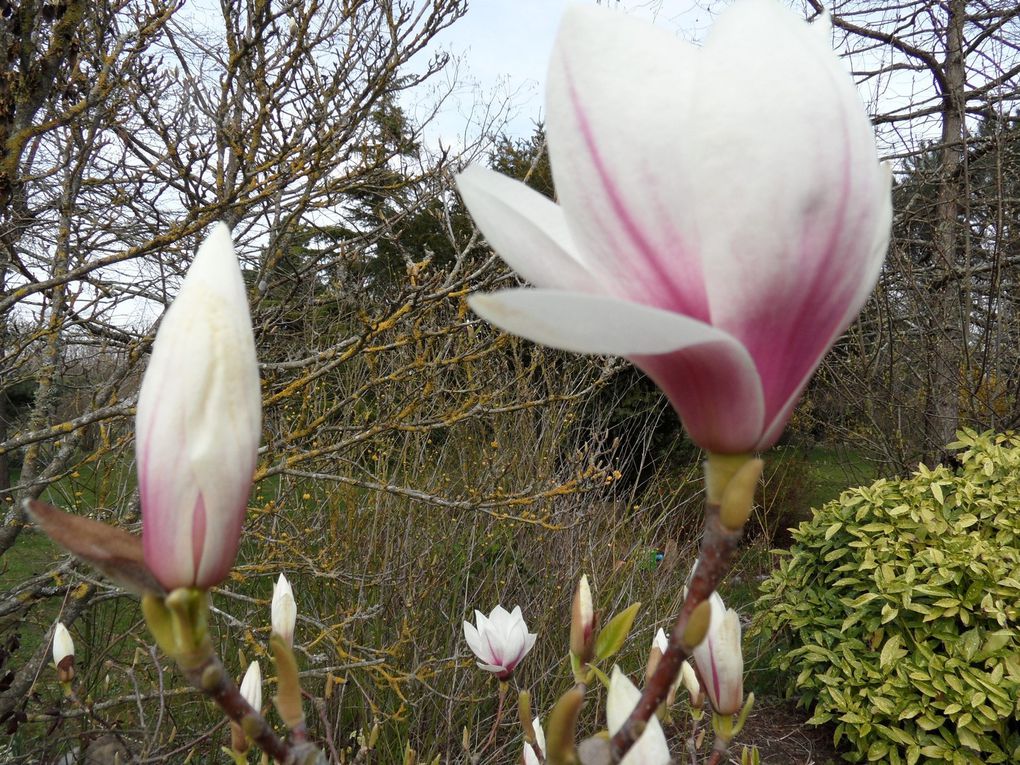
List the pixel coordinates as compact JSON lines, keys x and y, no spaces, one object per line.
{"x":618,"y":101}
{"x":527,"y":230}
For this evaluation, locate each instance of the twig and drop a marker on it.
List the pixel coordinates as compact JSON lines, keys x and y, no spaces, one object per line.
{"x":212,"y":679}
{"x":717,"y":547}
{"x":503,"y":686}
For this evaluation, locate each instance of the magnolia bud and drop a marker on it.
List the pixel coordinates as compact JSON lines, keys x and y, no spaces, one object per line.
{"x":582,"y":623}
{"x":251,"y":686}
{"x":198,"y":424}
{"x":659,"y":646}
{"x":63,"y":653}
{"x":251,"y":691}
{"x":720,"y":659}
{"x":689,"y":678}
{"x":284,"y":610}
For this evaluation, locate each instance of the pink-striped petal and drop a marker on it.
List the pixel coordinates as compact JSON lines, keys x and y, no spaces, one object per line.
{"x":618,"y":102}
{"x":709,"y":378}
{"x":787,"y":241}
{"x":198,"y":423}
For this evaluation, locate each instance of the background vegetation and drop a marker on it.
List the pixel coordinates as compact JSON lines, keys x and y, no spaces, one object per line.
{"x":416,"y":464}
{"x":895,"y":613}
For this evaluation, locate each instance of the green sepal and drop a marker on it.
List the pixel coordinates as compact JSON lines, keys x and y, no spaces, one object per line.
{"x":288,"y":697}
{"x":561,"y":729}
{"x":236,"y":757}
{"x":744,"y":712}
{"x":158,"y":619}
{"x":602,"y":676}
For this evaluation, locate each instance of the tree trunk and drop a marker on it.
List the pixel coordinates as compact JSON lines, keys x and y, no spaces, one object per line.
{"x":950,"y":312}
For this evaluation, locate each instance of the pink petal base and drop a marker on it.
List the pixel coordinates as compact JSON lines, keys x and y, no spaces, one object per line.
{"x":718,"y":398}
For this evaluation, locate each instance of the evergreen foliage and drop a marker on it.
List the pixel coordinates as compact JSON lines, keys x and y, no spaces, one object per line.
{"x":898,"y":611}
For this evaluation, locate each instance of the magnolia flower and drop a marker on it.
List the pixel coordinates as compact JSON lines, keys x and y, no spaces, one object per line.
{"x":659,"y":645}
{"x":650,"y":748}
{"x":720,"y":660}
{"x":284,"y":610}
{"x":529,"y":752}
{"x":499,"y":641}
{"x":722,"y":214}
{"x":198,"y":424}
{"x":582,"y":622}
{"x":689,"y":679}
{"x":251,"y":686}
{"x":63,"y":653}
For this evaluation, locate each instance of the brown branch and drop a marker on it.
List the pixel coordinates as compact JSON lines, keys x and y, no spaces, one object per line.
{"x":212,"y":679}
{"x":717,"y":547}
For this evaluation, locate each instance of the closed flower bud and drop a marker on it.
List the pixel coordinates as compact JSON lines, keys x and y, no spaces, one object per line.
{"x":251,"y":691}
{"x":198,"y":424}
{"x":720,"y":659}
{"x":582,"y":622}
{"x":63,"y":653}
{"x":284,"y":610}
{"x":689,"y":679}
{"x":659,"y":645}
{"x":251,"y":686}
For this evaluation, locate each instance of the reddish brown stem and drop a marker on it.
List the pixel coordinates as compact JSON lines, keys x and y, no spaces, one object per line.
{"x":211,"y":678}
{"x":503,"y":686}
{"x":717,"y":547}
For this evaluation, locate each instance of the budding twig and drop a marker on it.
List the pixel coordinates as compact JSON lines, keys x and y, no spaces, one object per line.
{"x":214,"y":681}
{"x":717,"y":547}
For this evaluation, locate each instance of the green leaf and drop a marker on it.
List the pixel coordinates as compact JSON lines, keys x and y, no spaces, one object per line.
{"x":832,"y":530}
{"x":891,"y":651}
{"x":889,"y":613}
{"x":602,"y":676}
{"x":968,"y":739}
{"x":612,"y":637}
{"x":893,"y":613}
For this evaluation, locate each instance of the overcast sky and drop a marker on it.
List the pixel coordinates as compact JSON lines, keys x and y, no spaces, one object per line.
{"x":502,"y":48}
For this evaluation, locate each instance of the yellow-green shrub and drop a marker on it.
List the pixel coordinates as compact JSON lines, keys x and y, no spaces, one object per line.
{"x":898,"y":612}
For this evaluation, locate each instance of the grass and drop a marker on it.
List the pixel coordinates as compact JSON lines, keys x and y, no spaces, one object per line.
{"x":32,"y":555}
{"x":833,"y":469}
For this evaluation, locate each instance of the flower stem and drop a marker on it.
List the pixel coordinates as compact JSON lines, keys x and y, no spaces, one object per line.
{"x":212,"y":679}
{"x":503,"y":686}
{"x":718,"y":544}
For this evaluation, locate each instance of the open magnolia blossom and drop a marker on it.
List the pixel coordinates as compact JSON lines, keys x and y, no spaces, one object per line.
{"x":283,"y":610}
{"x":720,"y":659}
{"x":529,"y":752}
{"x":198,"y":424}
{"x":623,"y":696}
{"x":500,"y":640}
{"x":722,"y":213}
